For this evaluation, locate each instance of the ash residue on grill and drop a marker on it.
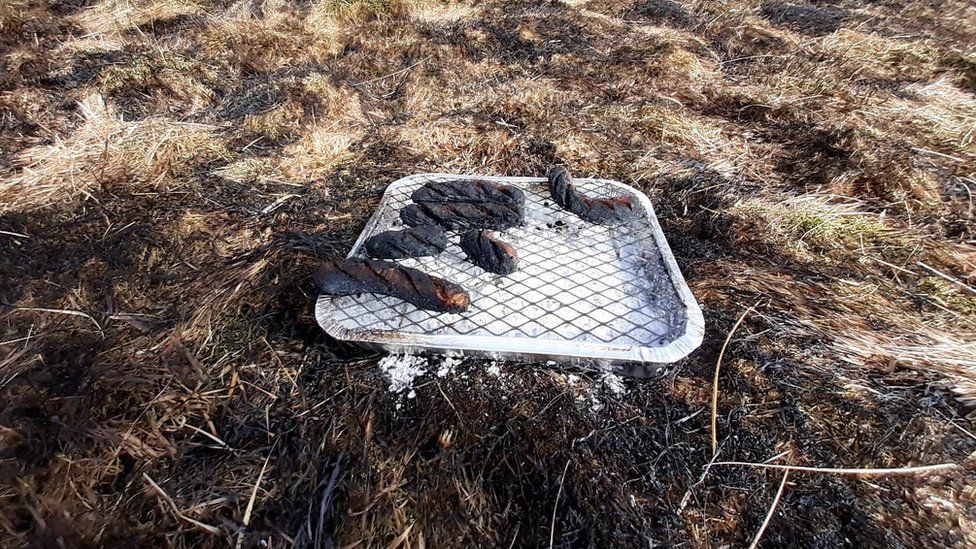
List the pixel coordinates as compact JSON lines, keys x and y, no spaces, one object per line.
{"x":661,"y":292}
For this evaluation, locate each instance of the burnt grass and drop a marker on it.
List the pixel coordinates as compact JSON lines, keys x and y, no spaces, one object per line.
{"x":163,"y":381}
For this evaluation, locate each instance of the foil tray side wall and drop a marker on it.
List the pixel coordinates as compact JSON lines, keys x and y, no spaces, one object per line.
{"x":595,"y":335}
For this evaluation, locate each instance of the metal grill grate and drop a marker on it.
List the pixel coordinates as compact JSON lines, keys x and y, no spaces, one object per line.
{"x":582,"y":290}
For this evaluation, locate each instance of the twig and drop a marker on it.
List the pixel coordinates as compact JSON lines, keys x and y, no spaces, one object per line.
{"x":208,"y":528}
{"x":394,"y":73}
{"x":772,"y":509}
{"x":942,"y":275}
{"x":552,"y":528}
{"x":856,"y":472}
{"x":248,"y":146}
{"x":277,"y":203}
{"x":17,"y":235}
{"x":208,"y":435}
{"x":687,"y":497}
{"x":515,"y":535}
{"x":896,"y":267}
{"x":726,"y":62}
{"x":779,"y":455}
{"x":956,"y":425}
{"x":449,"y":401}
{"x":62,"y":312}
{"x":18,"y":340}
{"x":274,"y":354}
{"x":937,"y":153}
{"x":718,"y":367}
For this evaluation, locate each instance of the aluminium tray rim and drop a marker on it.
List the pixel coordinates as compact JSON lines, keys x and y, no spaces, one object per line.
{"x":519,"y":347}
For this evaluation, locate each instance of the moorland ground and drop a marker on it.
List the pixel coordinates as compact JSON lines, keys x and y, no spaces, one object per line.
{"x":171,"y":171}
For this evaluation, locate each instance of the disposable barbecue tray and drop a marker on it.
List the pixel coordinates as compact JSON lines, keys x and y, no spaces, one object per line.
{"x":611,"y":294}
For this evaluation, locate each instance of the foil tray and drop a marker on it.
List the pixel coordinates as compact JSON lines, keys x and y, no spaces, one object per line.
{"x":583,"y":292}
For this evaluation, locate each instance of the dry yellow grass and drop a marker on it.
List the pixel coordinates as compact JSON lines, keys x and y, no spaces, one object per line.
{"x":882,"y":57}
{"x":106,"y":151}
{"x":171,"y":80}
{"x":359,"y":11}
{"x":944,"y":113}
{"x":813,"y":226}
{"x":257,"y":44}
{"x":17,"y":16}
{"x":113,"y":17}
{"x":10,"y":14}
{"x":316,"y":154}
{"x":441,"y":12}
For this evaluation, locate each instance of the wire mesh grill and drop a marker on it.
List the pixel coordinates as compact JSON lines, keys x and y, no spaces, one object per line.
{"x":580,"y":284}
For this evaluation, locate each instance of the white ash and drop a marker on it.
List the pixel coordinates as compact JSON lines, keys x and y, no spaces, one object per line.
{"x":613,"y":384}
{"x":493,"y":369}
{"x":401,"y":370}
{"x":609,"y":385}
{"x":447,"y":367}
{"x":596,"y":405}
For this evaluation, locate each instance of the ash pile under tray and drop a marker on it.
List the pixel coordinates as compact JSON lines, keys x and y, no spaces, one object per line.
{"x":582,"y":292}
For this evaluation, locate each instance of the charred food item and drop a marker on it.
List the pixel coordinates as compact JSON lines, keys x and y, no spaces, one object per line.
{"x":594,"y":210}
{"x":356,"y":276}
{"x":414,"y":242}
{"x":456,"y":216}
{"x":489,"y":253}
{"x":468,"y":191}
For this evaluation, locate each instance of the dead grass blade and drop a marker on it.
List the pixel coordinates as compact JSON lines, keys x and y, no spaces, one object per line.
{"x":172,"y":504}
{"x":62,"y":312}
{"x":946,"y":277}
{"x":254,"y":495}
{"x":401,"y":539}
{"x":552,"y":527}
{"x":718,"y":366}
{"x":306,"y":537}
{"x":769,"y":514}
{"x":15,"y":235}
{"x":922,"y":469}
